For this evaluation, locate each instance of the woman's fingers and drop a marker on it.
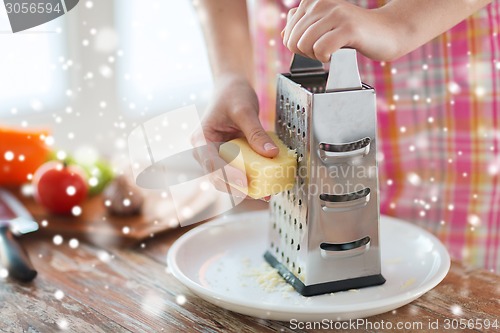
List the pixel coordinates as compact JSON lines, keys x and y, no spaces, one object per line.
{"x":219,"y":171}
{"x":288,"y":17}
{"x":318,"y":28}
{"x":248,"y":122}
{"x":294,"y":15}
{"x":310,"y":36}
{"x":329,"y":43}
{"x":298,"y":30}
{"x":222,"y":185}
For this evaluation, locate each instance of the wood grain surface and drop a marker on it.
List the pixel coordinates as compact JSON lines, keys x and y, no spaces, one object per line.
{"x":96,"y":226}
{"x":116,"y":289}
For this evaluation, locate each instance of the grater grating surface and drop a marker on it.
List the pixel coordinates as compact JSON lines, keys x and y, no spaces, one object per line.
{"x":324,"y":232}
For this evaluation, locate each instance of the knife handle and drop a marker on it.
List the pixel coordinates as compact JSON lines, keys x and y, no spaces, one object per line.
{"x":14,"y":258}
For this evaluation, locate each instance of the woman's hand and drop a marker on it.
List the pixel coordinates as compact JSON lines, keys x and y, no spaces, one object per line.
{"x":233,"y":113}
{"x":317,"y":28}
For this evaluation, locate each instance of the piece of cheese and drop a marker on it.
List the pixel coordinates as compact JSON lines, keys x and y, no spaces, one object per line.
{"x":265,"y":176}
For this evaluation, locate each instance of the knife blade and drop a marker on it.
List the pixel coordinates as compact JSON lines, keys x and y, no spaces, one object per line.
{"x":15,"y":220}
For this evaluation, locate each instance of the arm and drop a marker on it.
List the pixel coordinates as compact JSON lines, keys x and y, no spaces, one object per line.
{"x":318,"y":28}
{"x":234,"y":109}
{"x":423,"y":20}
{"x":227,"y":35}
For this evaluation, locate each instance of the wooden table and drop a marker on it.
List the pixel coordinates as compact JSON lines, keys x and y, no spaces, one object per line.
{"x":104,"y":290}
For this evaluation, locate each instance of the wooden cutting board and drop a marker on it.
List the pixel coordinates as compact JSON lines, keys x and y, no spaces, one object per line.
{"x":96,"y":226}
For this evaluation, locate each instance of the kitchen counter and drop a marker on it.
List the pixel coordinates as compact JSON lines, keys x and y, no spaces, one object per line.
{"x":95,"y":289}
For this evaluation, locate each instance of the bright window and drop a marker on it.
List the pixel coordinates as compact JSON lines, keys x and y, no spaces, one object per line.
{"x":32,"y":74}
{"x":165,"y":65}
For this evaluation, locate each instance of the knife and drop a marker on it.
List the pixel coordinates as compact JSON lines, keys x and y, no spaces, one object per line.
{"x":15,"y":220}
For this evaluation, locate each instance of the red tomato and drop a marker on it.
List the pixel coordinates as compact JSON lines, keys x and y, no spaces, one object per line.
{"x":59,"y":187}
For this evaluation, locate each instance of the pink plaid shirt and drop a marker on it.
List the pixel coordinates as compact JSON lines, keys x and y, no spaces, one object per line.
{"x":439,"y":127}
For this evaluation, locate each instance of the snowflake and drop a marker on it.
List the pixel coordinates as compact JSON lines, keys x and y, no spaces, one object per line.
{"x":59,"y":294}
{"x":454,"y":88}
{"x":63,"y":324}
{"x":153,"y":304}
{"x":57,"y":240}
{"x":180,"y":299}
{"x":73,"y":243}
{"x":414,"y":179}
{"x":456,"y":310}
{"x":103,"y":256}
{"x":76,"y":211}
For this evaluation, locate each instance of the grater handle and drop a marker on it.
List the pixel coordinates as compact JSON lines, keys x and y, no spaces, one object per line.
{"x":344,"y":250}
{"x":344,"y":73}
{"x":344,"y":202}
{"x":302,"y":64}
{"x":340,"y":153}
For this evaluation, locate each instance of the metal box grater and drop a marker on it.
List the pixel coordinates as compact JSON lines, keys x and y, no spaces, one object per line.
{"x":324,"y":232}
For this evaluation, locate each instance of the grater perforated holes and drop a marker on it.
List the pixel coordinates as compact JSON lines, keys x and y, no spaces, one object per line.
{"x":298,"y":247}
{"x":287,"y":260}
{"x":300,"y":202}
{"x":300,"y":226}
{"x":299,"y":270}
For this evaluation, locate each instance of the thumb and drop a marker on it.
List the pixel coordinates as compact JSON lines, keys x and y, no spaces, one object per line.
{"x":256,"y":136}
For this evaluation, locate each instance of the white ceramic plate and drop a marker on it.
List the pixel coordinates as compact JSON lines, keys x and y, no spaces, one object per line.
{"x":220,"y":262}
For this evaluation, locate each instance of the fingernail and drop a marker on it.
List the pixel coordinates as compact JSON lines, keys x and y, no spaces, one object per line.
{"x":269,"y":146}
{"x":266,"y":199}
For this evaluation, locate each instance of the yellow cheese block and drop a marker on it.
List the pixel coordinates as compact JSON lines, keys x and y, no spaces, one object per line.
{"x":265,"y":176}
